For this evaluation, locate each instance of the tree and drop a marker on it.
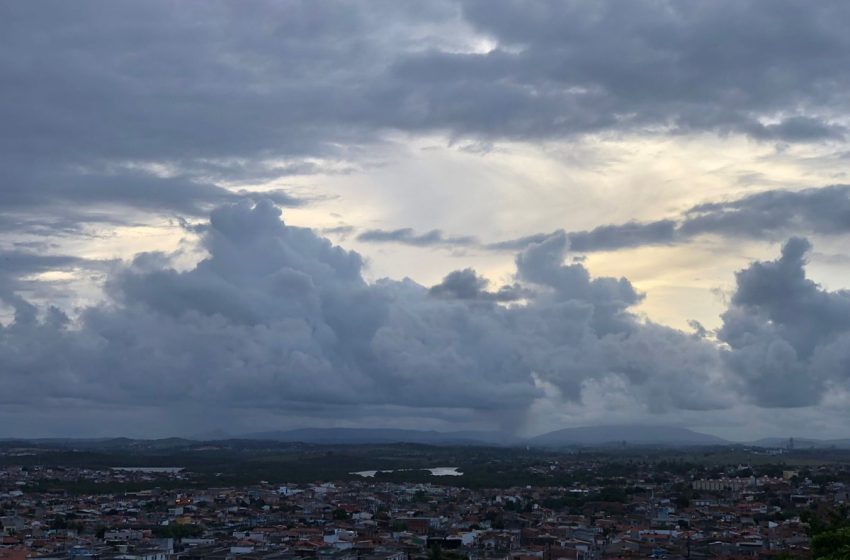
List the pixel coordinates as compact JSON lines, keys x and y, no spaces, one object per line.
{"x":832,"y":545}
{"x":178,"y":531}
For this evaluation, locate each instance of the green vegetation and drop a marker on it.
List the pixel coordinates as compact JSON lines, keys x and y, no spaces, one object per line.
{"x":830,"y":532}
{"x":832,"y":545}
{"x":243,"y":462}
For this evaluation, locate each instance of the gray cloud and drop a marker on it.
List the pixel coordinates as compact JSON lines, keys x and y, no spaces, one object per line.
{"x":602,"y":238}
{"x":774,"y":214}
{"x":111,"y":109}
{"x":17,"y":266}
{"x":95,"y":95}
{"x":342,"y":230}
{"x":16,"y":263}
{"x":466,"y":284}
{"x":20,"y":279}
{"x":214,"y":94}
{"x":277,"y":319}
{"x":520,"y":243}
{"x":602,"y":66}
{"x":52,"y":199}
{"x":542,"y":265}
{"x":788,"y":338}
{"x":720,"y":66}
{"x":408,"y":236}
{"x":769,"y":215}
{"x":614,"y":237}
{"x":799,"y":129}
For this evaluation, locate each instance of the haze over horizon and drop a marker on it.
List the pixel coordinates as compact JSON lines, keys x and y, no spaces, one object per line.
{"x":453,"y":215}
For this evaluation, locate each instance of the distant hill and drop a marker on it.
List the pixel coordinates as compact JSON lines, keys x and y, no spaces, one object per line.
{"x":588,"y":436}
{"x":595,"y":435}
{"x":631,"y":434}
{"x":123,"y":443}
{"x":378,"y":435}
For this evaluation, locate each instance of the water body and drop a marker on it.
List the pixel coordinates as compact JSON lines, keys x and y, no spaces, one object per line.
{"x":435,"y":471}
{"x":166,"y":470}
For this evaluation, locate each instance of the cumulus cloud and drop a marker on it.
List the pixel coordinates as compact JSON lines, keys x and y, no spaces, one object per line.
{"x":788,"y":337}
{"x":111,"y":110}
{"x":277,"y":322}
{"x":468,"y":285}
{"x":278,"y":319}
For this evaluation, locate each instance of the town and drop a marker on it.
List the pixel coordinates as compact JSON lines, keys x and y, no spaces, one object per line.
{"x":598,"y":505}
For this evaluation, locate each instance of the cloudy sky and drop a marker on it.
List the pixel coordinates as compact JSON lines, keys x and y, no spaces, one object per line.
{"x":472,"y":214}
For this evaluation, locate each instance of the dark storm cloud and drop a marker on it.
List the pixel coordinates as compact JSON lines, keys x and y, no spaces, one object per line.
{"x":112,"y":108}
{"x":93,"y":93}
{"x":225,"y":92}
{"x":572,"y":67}
{"x":789,"y":339}
{"x":277,"y":317}
{"x":158,"y":81}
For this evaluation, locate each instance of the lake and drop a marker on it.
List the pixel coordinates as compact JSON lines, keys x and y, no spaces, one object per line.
{"x":435,"y":471}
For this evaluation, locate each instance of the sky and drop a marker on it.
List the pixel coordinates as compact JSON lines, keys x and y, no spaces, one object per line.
{"x":456,"y":214}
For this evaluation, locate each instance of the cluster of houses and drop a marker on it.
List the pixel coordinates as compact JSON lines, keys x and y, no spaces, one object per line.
{"x":677,"y":516}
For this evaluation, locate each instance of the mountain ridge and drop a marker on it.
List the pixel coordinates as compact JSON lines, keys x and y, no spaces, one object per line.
{"x":583,"y":436}
{"x":629,"y":434}
{"x":586,"y":435}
